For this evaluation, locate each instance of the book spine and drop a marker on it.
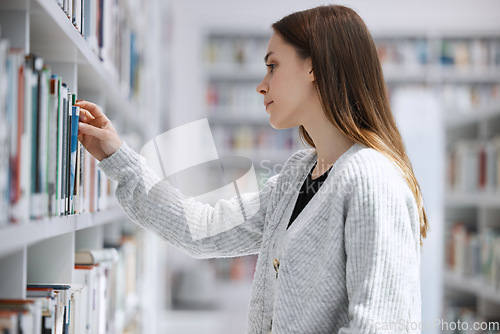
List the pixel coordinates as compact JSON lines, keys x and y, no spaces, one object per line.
{"x":64,"y":161}
{"x":35,"y":177}
{"x":43,"y":105}
{"x":60,"y":146}
{"x":52,"y":146}
{"x":75,"y":112}
{"x":69,"y":110}
{"x":24,"y":203}
{"x":16,"y":193}
{"x":6,"y":119}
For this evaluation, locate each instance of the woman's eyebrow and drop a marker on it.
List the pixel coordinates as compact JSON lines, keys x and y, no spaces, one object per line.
{"x":267,"y":56}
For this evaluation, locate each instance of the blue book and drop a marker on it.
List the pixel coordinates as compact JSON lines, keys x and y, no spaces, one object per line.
{"x":75,"y":116}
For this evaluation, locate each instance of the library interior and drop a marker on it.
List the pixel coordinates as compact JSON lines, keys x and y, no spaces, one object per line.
{"x":181,"y":77}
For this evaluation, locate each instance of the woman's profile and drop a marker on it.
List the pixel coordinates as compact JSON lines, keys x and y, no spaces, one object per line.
{"x":339,"y":230}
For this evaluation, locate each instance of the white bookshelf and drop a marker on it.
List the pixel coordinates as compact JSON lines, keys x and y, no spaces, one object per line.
{"x":42,"y":251}
{"x":15,"y":236}
{"x":50,"y":33}
{"x":478,"y":209}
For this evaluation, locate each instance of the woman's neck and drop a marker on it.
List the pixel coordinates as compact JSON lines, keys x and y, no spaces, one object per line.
{"x":330,"y":145}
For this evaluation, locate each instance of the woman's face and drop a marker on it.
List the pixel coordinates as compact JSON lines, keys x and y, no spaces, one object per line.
{"x":288,"y":87}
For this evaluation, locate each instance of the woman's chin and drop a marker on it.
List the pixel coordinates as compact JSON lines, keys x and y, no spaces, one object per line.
{"x":280,"y":124}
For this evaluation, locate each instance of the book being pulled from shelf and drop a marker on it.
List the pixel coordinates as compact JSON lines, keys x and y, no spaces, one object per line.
{"x":44,"y":169}
{"x":474,"y":166}
{"x":473,"y":255}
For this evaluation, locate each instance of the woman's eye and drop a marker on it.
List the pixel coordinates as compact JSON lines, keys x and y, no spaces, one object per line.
{"x":271,"y":66}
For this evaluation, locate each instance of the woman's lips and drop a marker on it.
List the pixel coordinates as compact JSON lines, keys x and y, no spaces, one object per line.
{"x":267,"y":104}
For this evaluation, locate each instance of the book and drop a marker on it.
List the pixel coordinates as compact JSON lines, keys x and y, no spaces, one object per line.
{"x":39,"y":292}
{"x":52,"y":146}
{"x":93,"y":256}
{"x":5,"y":115}
{"x":86,"y":275}
{"x":18,"y":194}
{"x":74,"y":119}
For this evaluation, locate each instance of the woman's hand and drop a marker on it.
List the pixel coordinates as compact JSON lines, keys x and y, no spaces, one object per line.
{"x":96,"y":132}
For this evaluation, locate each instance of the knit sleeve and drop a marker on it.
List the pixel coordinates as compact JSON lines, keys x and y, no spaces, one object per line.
{"x":230,"y":227}
{"x":383,"y":251}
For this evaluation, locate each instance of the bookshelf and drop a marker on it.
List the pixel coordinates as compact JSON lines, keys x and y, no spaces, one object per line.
{"x":109,"y":70}
{"x":471,"y":104}
{"x":463,"y":70}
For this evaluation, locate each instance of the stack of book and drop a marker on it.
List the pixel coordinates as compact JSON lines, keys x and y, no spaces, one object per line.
{"x":103,"y":284}
{"x":44,"y":169}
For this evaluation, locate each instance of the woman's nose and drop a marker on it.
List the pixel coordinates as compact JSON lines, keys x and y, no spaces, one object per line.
{"x":262,"y":88}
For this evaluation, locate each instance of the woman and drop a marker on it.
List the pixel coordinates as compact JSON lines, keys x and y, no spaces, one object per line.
{"x":339,"y":230}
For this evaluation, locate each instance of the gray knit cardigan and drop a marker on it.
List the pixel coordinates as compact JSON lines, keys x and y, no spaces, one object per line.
{"x":349,"y":262}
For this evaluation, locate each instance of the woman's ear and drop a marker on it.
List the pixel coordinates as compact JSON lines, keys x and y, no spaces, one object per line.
{"x":311,"y":75}
{"x":308,"y":66}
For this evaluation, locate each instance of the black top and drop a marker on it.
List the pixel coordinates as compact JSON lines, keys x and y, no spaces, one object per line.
{"x":309,"y":188}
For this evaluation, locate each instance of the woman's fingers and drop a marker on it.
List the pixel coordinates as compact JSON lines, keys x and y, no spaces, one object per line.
{"x":87,"y":129}
{"x":91,"y":108}
{"x":85,"y":116}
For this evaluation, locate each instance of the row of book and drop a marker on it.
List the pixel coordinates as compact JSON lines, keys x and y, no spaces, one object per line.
{"x":103,"y":285}
{"x":475,"y":53}
{"x":413,"y":53}
{"x":410,"y":53}
{"x":473,"y":166}
{"x":244,"y":137}
{"x":474,"y":255}
{"x":470,"y":53}
{"x":107,"y":29}
{"x":228,"y":98}
{"x":44,"y":169}
{"x":463,"y":318}
{"x":235,"y":50}
{"x":462,"y":98}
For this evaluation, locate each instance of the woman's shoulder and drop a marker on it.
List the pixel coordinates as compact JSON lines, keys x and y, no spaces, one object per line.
{"x":368,"y":165}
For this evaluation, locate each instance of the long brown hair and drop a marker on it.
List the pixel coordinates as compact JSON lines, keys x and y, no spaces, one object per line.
{"x":350,"y":83}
